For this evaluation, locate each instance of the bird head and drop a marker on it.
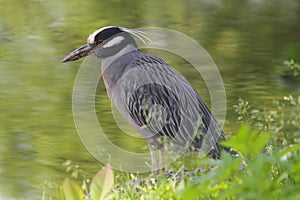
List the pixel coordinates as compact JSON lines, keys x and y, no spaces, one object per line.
{"x":103,"y":43}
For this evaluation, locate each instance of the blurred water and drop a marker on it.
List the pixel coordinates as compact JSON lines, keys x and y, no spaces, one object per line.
{"x":248,"y":40}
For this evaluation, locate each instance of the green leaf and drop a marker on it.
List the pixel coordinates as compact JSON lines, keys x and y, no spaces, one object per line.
{"x":247,"y":142}
{"x":102,"y":183}
{"x":72,"y":191}
{"x":59,"y":193}
{"x":283,"y":155}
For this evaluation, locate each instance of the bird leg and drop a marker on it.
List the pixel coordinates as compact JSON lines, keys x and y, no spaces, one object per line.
{"x":153,"y":143}
{"x":154,"y":165}
{"x":156,"y":144}
{"x":161,"y":160}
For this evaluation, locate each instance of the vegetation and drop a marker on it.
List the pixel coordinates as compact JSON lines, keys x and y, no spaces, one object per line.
{"x":290,"y":68}
{"x":267,"y":168}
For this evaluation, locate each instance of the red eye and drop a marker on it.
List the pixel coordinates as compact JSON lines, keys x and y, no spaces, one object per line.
{"x":100,"y":42}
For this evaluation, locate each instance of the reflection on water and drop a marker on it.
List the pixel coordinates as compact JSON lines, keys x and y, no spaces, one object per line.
{"x":248,"y":40}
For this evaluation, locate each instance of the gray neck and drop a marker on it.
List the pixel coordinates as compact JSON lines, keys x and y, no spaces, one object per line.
{"x":108,"y":60}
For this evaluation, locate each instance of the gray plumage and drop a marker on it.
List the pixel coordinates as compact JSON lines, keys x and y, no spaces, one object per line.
{"x":157,"y":101}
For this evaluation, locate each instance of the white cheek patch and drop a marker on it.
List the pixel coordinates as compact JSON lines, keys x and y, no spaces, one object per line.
{"x":114,"y":41}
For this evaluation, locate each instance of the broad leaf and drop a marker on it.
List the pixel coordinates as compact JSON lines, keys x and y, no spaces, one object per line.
{"x":72,"y":191}
{"x":247,"y":142}
{"x":102,"y":183}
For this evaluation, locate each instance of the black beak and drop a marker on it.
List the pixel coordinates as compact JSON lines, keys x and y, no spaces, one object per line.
{"x":79,"y":53}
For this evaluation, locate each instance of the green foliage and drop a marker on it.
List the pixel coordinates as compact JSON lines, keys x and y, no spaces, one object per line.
{"x":252,"y":175}
{"x":243,"y":142}
{"x":267,"y":166}
{"x":282,"y":121}
{"x":290,"y":68}
{"x":99,"y":188}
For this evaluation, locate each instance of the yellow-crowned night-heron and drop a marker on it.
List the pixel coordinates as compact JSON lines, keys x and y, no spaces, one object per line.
{"x":156,"y":100}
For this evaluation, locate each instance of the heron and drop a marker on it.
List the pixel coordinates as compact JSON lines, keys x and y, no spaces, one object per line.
{"x":154,"y":98}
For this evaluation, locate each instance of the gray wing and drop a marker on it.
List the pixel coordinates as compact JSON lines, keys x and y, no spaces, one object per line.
{"x":155,"y":103}
{"x":162,"y":101}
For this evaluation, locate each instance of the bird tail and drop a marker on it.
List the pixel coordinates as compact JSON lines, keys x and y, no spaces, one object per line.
{"x":216,"y":153}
